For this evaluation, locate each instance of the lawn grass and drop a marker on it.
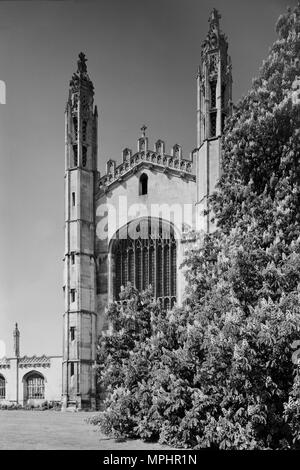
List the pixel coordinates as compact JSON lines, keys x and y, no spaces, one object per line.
{"x":41,"y":430}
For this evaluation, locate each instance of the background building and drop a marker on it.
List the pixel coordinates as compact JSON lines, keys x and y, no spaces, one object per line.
{"x":29,"y":380}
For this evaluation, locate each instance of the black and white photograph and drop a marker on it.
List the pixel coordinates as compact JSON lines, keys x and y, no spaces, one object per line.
{"x":150,"y":228}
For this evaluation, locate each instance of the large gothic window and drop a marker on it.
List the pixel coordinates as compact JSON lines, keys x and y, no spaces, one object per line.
{"x":146,"y":255}
{"x":35,"y":386}
{"x":2,"y":387}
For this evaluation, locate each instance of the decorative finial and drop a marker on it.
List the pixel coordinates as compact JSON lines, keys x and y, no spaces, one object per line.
{"x":16,"y":341}
{"x":81,"y":76}
{"x":214,"y":35}
{"x":81,"y":63}
{"x":143,"y":129}
{"x":214,"y":18}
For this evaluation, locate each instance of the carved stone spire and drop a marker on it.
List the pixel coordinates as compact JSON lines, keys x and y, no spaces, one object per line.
{"x":215,"y":38}
{"x":16,"y":341}
{"x":214,"y":19}
{"x":214,"y":82}
{"x":81,"y":63}
{"x":214,"y":94}
{"x":80,"y":77}
{"x":79,"y":353}
{"x":143,"y":140}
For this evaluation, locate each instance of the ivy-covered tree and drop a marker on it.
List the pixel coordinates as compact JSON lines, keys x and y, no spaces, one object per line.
{"x":218,"y":372}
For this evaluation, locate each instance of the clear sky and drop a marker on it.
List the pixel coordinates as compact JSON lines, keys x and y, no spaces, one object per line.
{"x":142,"y":57}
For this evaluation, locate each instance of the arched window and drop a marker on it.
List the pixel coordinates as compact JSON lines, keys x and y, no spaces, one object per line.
{"x":149,"y":258}
{"x":143,"y":185}
{"x":2,"y":387}
{"x":35,"y":385}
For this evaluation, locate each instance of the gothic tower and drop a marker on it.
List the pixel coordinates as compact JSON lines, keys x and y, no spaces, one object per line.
{"x":214,"y":104}
{"x":80,"y":319}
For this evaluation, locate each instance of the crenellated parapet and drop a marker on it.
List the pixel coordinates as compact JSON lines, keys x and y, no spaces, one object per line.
{"x":34,"y":361}
{"x":155,"y":159}
{"x":27,"y":362}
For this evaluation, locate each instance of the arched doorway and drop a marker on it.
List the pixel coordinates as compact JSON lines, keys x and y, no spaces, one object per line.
{"x":34,"y":387}
{"x":144,"y":252}
{"x":2,"y":387}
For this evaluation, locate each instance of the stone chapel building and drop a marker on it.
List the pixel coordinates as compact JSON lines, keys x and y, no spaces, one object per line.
{"x":127,"y":225}
{"x":116,"y":229}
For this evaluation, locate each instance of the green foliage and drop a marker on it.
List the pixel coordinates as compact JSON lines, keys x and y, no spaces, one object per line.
{"x":218,"y":372}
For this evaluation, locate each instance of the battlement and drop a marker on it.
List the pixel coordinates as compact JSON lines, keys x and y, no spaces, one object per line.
{"x":27,"y":361}
{"x":154,"y":159}
{"x":34,"y":361}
